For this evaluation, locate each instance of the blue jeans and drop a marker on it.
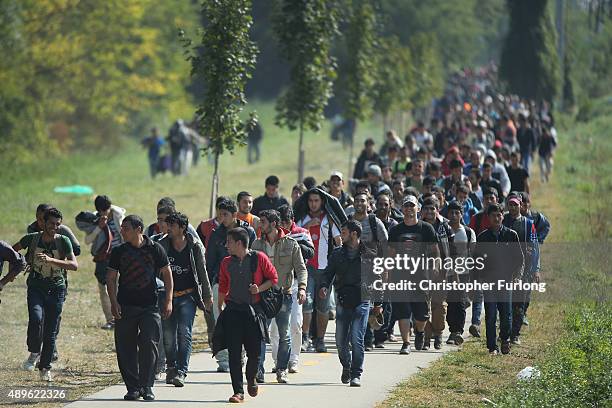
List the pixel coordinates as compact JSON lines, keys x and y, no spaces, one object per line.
{"x":177,"y":333}
{"x":477,"y":307}
{"x":44,"y":311}
{"x":351,"y":326}
{"x":283,"y":319}
{"x":526,"y":160}
{"x":491,"y":307}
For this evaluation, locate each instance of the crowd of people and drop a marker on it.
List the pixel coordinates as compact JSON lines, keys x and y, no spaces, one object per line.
{"x":464,"y":179}
{"x":176,"y":152}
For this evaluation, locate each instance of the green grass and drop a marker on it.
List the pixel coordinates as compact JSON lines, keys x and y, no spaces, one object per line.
{"x":575,"y":262}
{"x":87,"y":358}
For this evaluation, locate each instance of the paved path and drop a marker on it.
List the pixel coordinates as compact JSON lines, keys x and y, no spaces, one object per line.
{"x":317,"y":384}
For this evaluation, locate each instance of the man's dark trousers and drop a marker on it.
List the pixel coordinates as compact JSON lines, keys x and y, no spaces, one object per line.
{"x":137,"y":336}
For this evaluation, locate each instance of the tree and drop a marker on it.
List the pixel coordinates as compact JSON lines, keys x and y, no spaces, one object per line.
{"x":428,"y":70}
{"x":394,"y":86}
{"x":529,"y":63}
{"x":223,"y":62}
{"x":305,"y":31}
{"x":357,"y":73}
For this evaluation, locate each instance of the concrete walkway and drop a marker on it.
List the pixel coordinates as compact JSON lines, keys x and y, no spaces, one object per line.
{"x":317,"y":384}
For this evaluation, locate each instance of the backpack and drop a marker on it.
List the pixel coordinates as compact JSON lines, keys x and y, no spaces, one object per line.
{"x":272,"y":298}
{"x":59,"y":243}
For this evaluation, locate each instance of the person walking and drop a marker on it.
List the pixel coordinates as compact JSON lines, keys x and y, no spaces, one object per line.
{"x":243,"y":275}
{"x":191,"y":290}
{"x":49,"y":256}
{"x":285,"y":254}
{"x":132,"y":288}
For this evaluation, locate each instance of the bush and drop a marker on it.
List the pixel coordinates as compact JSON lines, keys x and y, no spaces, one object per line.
{"x":577,"y":372}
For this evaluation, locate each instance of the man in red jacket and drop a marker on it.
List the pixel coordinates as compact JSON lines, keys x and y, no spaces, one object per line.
{"x":239,"y":288}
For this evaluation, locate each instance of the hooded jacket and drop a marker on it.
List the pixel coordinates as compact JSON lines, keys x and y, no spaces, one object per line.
{"x":216,"y":250}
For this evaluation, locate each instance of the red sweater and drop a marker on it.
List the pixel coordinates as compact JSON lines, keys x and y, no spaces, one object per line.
{"x":265,"y":271}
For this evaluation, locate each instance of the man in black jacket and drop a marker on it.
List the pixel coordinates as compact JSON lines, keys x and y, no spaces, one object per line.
{"x":367,"y":158}
{"x":216,"y":250}
{"x":271,"y":199}
{"x":503,"y":261}
{"x":354,"y":296}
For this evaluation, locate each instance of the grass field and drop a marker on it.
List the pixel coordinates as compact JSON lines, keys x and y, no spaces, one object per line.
{"x":87,"y":360}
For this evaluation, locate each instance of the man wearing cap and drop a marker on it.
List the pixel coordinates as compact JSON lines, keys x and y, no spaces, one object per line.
{"x":528,"y":237}
{"x":354,"y":297}
{"x":336,"y":185}
{"x":411,"y":232}
{"x":367,"y":157}
{"x":375,"y":179}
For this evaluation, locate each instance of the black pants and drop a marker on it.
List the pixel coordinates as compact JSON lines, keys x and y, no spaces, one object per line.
{"x":137,"y":336}
{"x":457,"y":302}
{"x":242,"y":330}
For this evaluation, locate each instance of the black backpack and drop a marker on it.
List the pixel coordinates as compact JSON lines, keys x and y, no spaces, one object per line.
{"x":271,"y":299}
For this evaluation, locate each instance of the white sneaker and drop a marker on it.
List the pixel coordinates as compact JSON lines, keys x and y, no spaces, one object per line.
{"x":293,"y":367}
{"x":45,"y":375}
{"x":31,"y":362}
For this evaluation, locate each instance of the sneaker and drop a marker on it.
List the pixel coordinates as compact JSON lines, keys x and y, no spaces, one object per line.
{"x":30,"y":363}
{"x":393,"y":339}
{"x":475,"y":330}
{"x":222,"y":369}
{"x":259,"y":378}
{"x":252,"y":388}
{"x":368,"y":347}
{"x":132,"y":395}
{"x":493,"y":352}
{"x":236,"y":398}
{"x":170,"y":374}
{"x":356,"y":382}
{"x":419,"y":340}
{"x":458,"y":339}
{"x":505,"y":347}
{"x":273,"y":370}
{"x":451,"y":339}
{"x":179,"y":380}
{"x":45,"y":375}
{"x":305,"y":344}
{"x":54,"y":357}
{"x":281,"y":377}
{"x":405,"y":348}
{"x":293,"y":367}
{"x":108,"y":326}
{"x":515,"y":340}
{"x":346,"y":376}
{"x":525,"y":321}
{"x":320,"y":346}
{"x":147,"y":394}
{"x":379,"y":345}
{"x":437,"y":342}
{"x":159,"y":376}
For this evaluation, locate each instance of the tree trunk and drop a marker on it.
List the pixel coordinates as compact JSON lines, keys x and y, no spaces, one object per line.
{"x":352,"y":145}
{"x":215,"y":186}
{"x":301,"y":155}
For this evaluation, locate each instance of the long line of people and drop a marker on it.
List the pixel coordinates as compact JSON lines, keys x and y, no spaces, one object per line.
{"x":442,"y":187}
